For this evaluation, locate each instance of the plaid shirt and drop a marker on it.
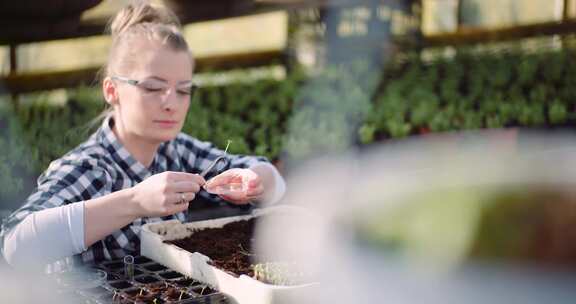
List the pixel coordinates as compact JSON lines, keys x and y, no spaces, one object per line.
{"x":101,"y":165}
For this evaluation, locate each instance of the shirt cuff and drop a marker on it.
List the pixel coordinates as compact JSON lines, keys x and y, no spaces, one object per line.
{"x":279,"y":183}
{"x":75,"y":220}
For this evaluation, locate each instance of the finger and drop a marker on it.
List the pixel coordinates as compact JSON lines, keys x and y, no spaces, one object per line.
{"x":182,"y":207}
{"x":173,"y":209}
{"x":199,"y":179}
{"x":255,"y":182}
{"x":182,"y":197}
{"x":234,"y":200}
{"x":234,"y":195}
{"x":185,"y":186}
{"x":189,"y":196}
{"x":227,"y":198}
{"x":255,"y":192}
{"x":222,"y":179}
{"x":185,"y":176}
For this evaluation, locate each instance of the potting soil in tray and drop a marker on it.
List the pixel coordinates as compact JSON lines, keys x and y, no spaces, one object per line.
{"x":229,"y":247}
{"x":152,"y":283}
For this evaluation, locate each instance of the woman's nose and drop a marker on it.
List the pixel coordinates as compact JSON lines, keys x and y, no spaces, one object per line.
{"x":169,"y":99}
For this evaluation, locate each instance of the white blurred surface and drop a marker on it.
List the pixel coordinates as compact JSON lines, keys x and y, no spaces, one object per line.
{"x":431,"y":195}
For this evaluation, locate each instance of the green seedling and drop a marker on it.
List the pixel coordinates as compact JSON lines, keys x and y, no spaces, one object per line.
{"x":278,"y":273}
{"x":244,"y":251}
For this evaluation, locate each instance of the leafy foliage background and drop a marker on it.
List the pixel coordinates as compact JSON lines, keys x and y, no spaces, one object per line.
{"x":323,"y":111}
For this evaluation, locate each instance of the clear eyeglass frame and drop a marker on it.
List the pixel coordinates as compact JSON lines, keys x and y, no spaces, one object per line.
{"x":189,"y":90}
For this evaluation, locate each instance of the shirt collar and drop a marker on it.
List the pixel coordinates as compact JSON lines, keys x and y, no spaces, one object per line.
{"x":119,"y":154}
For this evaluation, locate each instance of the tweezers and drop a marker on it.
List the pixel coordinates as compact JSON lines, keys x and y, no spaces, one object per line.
{"x":214,"y":162}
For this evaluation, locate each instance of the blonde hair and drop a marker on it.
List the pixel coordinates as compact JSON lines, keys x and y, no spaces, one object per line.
{"x":136,"y":20}
{"x":141,"y":19}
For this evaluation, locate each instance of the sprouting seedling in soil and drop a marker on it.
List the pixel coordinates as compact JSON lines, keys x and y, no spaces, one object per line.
{"x":181,"y":293}
{"x":114,"y":296}
{"x":154,"y":301}
{"x":202,"y":291}
{"x":227,"y":145}
{"x":244,"y":251}
{"x":141,"y":291}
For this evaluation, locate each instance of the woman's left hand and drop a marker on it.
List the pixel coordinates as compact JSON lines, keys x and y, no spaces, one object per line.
{"x":238,"y":186}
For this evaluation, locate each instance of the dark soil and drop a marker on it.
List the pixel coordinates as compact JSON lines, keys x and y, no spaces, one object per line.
{"x":229,"y":247}
{"x":143,"y":297}
{"x":159,"y":292}
{"x":205,"y":291}
{"x":175,"y":294}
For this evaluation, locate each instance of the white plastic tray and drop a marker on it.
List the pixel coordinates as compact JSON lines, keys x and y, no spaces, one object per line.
{"x":242,"y":289}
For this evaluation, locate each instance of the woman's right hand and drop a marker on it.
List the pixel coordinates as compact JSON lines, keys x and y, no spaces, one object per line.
{"x":166,"y":193}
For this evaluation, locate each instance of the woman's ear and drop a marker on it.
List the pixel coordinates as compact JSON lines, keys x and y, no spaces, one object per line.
{"x":110,"y":91}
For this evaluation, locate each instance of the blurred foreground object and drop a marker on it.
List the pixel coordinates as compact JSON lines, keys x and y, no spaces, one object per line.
{"x":444,"y":219}
{"x":28,"y":288}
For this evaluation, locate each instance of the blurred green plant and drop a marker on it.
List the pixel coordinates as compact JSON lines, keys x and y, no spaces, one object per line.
{"x":324,"y":111}
{"x":330,"y":108}
{"x":473,"y":90}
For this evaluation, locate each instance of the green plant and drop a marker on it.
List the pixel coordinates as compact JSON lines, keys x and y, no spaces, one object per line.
{"x":279,"y":273}
{"x":323,"y":112}
{"x":366,"y":133}
{"x":557,"y":112}
{"x":329,"y":110}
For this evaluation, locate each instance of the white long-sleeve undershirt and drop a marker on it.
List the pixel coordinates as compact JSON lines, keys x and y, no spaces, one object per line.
{"x":46,"y":236}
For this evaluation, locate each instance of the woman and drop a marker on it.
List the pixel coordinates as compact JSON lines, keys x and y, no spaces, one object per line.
{"x":138,"y":167}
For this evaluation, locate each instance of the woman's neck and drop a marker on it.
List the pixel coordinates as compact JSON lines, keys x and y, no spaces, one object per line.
{"x":143,"y":151}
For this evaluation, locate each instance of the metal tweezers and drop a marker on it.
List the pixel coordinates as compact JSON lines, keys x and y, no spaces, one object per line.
{"x":214,"y":162}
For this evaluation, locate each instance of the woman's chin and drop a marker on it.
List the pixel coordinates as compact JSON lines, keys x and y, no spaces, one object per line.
{"x":163,"y":135}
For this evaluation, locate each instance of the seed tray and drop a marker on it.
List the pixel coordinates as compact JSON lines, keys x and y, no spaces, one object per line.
{"x":241,"y":289}
{"x":152,"y":283}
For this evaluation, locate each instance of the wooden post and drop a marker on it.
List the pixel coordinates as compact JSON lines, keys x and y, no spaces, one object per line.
{"x":565,"y":12}
{"x":458,"y":14}
{"x":14,"y":71}
{"x":289,"y":57}
{"x":420,"y":16}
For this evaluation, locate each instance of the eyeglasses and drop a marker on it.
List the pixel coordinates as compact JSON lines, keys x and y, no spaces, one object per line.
{"x":158,"y":86}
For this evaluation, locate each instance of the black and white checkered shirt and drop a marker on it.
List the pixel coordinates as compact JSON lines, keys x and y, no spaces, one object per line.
{"x":101,"y":165}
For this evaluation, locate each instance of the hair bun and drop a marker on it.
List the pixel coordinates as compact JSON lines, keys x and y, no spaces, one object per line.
{"x":141,"y":12}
